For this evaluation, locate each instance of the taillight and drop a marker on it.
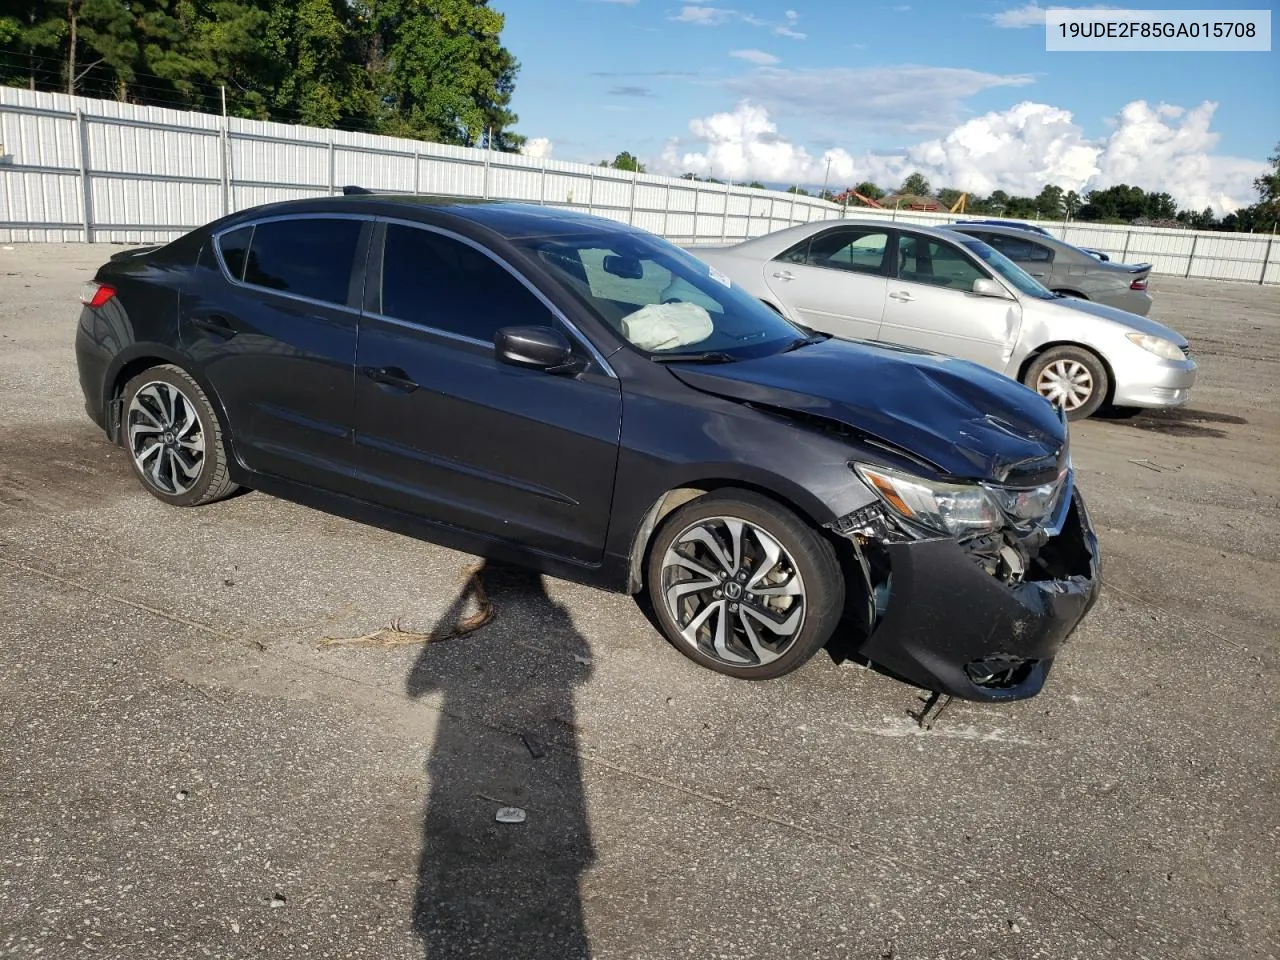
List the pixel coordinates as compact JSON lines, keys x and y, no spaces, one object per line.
{"x":94,"y":294}
{"x":1138,"y":285}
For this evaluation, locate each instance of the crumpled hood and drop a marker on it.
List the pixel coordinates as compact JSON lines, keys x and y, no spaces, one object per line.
{"x":1124,"y":317}
{"x":965,"y":419}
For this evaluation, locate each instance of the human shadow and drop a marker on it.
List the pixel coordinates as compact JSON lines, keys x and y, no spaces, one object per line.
{"x":506,"y":737}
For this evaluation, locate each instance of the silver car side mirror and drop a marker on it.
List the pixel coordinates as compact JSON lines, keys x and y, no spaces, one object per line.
{"x":986,"y":287}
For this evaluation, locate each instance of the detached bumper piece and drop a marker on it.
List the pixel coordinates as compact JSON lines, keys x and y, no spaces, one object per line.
{"x":983,"y":620}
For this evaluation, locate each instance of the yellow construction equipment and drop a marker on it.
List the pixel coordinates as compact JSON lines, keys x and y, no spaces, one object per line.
{"x":958,"y":206}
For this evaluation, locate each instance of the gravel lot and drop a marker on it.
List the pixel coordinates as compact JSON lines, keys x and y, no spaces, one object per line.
{"x":186,"y":772}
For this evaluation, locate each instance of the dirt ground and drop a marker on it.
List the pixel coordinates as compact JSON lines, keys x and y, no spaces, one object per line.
{"x":186,"y":770}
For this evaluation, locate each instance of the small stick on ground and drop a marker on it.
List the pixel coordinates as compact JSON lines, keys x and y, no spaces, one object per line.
{"x":394,"y":635}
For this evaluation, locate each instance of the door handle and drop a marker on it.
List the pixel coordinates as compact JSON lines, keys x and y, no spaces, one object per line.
{"x":215,"y":324}
{"x":902,"y":296}
{"x":391,"y":377}
{"x":785,"y":275}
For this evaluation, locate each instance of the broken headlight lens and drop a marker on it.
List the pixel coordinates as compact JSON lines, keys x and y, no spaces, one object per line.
{"x":958,"y":509}
{"x":1030,"y":505}
{"x":1162,"y":348}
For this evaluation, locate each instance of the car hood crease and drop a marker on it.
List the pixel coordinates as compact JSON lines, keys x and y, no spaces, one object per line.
{"x":969,"y":421}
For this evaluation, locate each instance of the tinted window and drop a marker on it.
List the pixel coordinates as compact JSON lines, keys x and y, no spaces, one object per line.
{"x":443,"y":283}
{"x":234,"y":246}
{"x":939,"y":264}
{"x":310,"y":257}
{"x":1018,"y":249}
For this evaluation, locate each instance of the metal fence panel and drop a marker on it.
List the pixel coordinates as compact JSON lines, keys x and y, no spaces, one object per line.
{"x":82,"y":169}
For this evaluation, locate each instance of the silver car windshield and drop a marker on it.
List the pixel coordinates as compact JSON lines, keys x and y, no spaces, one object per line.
{"x":997,"y":261}
{"x":661,"y":299}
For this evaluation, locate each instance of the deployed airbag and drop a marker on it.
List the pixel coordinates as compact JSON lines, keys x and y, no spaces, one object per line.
{"x":665,"y":326}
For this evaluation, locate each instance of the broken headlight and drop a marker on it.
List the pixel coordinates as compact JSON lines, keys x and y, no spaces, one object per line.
{"x":959,"y":509}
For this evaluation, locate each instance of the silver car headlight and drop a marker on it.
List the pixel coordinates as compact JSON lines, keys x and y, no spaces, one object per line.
{"x":1162,"y":348}
{"x":958,"y":509}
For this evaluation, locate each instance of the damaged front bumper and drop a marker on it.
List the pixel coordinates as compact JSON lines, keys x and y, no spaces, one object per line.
{"x":948,"y":620}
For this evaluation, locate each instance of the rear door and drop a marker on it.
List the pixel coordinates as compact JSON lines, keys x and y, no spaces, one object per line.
{"x":931,"y":304}
{"x":272,"y":324}
{"x":446,"y":431}
{"x":835,"y":280}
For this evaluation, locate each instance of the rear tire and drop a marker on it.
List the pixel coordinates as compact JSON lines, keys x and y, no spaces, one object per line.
{"x":743,"y":586}
{"x":174,"y":439}
{"x":1070,"y":377}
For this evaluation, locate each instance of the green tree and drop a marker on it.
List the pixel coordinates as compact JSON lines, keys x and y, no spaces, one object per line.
{"x":441,"y":71}
{"x":756,"y":185}
{"x":869,"y":190}
{"x":916,"y":184}
{"x":1049,"y":203}
{"x":798,"y":191}
{"x":624,"y":161}
{"x":1071,"y":203}
{"x":949,"y":197}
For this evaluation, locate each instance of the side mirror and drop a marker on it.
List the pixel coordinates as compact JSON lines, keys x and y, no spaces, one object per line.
{"x":986,"y":287}
{"x":539,"y":348}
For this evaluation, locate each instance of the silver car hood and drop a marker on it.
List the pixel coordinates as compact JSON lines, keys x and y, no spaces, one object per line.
{"x":1123,"y":317}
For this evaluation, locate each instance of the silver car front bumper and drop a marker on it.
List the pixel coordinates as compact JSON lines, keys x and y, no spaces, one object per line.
{"x":1160,"y":383}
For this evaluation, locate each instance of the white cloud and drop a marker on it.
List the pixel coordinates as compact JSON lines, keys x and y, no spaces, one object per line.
{"x":704,"y":16}
{"x":755,"y":56}
{"x":537,"y":147}
{"x":1018,"y":150}
{"x":1032,"y":15}
{"x":788,"y":29}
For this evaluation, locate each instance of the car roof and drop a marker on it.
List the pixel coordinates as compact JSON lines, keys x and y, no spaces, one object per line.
{"x":781,"y":239}
{"x":511,"y":220}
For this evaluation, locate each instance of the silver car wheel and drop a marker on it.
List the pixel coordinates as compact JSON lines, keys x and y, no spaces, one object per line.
{"x":1067,"y":383}
{"x":165,"y":437}
{"x":733,"y":591}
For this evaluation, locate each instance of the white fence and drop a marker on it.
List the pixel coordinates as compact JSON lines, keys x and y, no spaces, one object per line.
{"x":75,"y":169}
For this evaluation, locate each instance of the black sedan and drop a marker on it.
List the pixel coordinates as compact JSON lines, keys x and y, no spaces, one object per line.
{"x":582,"y":397}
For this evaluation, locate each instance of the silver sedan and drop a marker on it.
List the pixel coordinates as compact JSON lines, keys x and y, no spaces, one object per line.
{"x":949,"y":293}
{"x":1067,"y":269}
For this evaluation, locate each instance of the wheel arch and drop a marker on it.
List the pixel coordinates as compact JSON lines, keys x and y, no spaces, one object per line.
{"x":680,"y":495}
{"x":1069,"y":292}
{"x":1043,"y":348}
{"x":137,"y":359}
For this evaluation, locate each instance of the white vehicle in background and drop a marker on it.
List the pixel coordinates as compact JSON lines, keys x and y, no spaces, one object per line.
{"x":943,"y":291}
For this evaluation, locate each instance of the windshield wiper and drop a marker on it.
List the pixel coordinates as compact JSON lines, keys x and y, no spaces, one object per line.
{"x":806,"y":341}
{"x":706,"y":356}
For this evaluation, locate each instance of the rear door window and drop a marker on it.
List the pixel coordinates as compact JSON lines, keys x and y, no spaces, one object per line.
{"x":308,"y":257}
{"x":1020,"y":249}
{"x":852,"y":249}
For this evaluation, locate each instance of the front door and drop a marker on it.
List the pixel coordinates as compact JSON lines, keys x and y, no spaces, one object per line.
{"x":835,"y":281}
{"x":931,"y":304}
{"x":446,"y":431}
{"x":272,"y":322}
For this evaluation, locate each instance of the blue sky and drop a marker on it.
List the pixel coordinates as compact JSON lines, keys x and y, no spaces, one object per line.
{"x":774,"y":90}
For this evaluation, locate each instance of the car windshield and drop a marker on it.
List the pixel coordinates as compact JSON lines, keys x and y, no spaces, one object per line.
{"x":661,"y":299}
{"x":997,"y":261}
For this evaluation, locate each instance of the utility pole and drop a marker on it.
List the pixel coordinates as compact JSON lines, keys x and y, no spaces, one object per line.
{"x":825,"y":179}
{"x":224,"y":101}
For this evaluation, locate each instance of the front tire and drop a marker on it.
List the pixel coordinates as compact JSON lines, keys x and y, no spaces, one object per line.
{"x":743,"y":586}
{"x":1072,"y":378}
{"x":174,"y":439}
